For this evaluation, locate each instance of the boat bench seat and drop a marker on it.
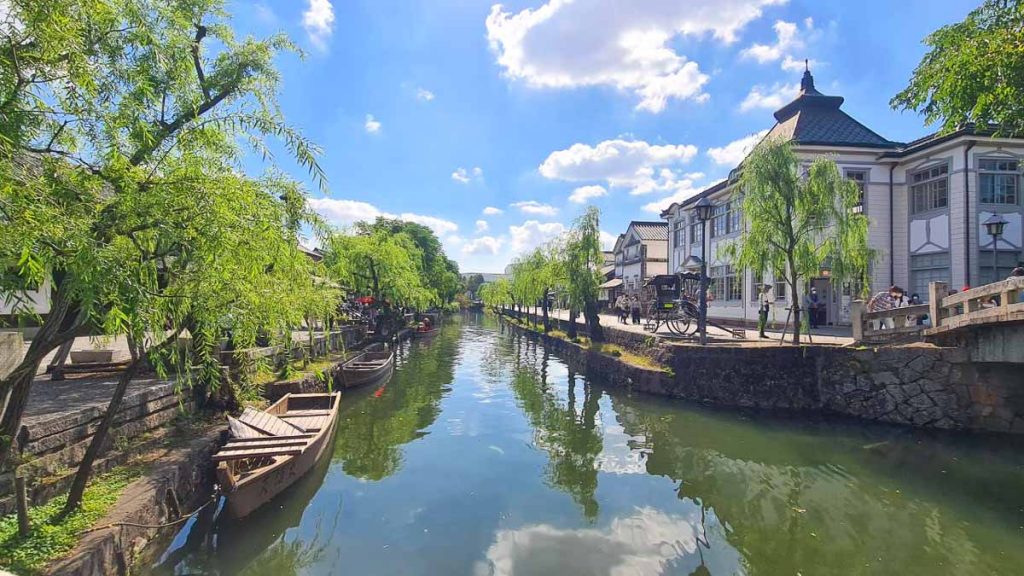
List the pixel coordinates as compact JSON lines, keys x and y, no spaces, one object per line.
{"x":241,"y":453}
{"x":309,"y":423}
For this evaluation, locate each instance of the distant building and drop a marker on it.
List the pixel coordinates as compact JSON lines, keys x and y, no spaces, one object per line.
{"x":640,"y":253}
{"x":487,"y":276}
{"x":925,"y":200}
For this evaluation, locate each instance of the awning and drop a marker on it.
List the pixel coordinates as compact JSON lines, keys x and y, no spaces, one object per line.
{"x":611,"y":283}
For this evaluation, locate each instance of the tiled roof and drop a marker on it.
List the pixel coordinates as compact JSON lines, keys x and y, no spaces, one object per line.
{"x":650,"y":230}
{"x":815,"y":119}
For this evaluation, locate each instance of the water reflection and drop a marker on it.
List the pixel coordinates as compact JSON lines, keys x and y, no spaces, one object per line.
{"x":568,"y":435}
{"x":487,"y":455}
{"x":374,"y":424}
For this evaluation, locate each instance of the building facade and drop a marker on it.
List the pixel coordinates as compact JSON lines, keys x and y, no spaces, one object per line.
{"x":640,"y":253}
{"x":926,"y":203}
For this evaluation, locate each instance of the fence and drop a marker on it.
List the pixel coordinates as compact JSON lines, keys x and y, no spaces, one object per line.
{"x":996,"y":302}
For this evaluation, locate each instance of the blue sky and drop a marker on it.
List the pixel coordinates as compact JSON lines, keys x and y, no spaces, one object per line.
{"x":497,"y":124}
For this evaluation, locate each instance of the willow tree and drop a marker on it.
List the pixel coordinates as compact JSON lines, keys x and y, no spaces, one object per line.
{"x":116,"y":117}
{"x":379,"y":263}
{"x":973,"y":71}
{"x":497,"y":294}
{"x":795,"y":223}
{"x":581,"y":263}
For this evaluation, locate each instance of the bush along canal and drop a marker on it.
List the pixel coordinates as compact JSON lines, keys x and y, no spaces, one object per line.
{"x":486,"y":454}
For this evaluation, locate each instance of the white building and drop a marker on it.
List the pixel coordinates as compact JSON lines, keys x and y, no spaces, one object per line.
{"x":926,"y":202}
{"x":640,"y":253}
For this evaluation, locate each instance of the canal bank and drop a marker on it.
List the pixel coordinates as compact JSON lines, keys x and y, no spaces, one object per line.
{"x":919,"y":385}
{"x":488,"y":453}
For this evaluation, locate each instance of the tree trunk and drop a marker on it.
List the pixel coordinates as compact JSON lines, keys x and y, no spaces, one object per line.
{"x":593,"y":321}
{"x":796,"y":314}
{"x":571,"y":330}
{"x":100,"y":437}
{"x":544,"y":308}
{"x":15,"y":388}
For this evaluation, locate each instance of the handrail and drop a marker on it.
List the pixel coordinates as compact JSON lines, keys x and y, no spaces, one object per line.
{"x":903,"y":321}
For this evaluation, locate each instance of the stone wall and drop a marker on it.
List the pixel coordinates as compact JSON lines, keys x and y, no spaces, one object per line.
{"x":918,"y":385}
{"x":11,"y":350}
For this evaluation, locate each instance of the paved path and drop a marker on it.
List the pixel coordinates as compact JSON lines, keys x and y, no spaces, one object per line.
{"x":48,"y":399}
{"x":832,"y":335}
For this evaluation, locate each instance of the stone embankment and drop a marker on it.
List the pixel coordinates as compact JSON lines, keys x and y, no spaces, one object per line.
{"x":917,"y":385}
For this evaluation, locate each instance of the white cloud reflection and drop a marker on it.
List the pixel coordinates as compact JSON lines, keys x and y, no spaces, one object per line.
{"x":644,"y":543}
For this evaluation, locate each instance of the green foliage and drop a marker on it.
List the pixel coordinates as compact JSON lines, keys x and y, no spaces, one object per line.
{"x":973,"y":72}
{"x":53,"y":536}
{"x":380,"y":263}
{"x":795,"y":224}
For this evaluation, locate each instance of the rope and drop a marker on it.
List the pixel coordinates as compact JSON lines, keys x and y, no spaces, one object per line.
{"x":213,"y":498}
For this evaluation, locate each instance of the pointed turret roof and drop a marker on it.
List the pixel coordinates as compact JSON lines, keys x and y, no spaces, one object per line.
{"x":816,"y":119}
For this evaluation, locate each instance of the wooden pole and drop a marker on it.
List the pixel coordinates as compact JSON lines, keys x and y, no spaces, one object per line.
{"x":21,"y":498}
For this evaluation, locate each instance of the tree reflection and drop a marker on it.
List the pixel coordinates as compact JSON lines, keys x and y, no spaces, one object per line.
{"x":798,"y":498}
{"x":371,"y":430}
{"x":570,"y":439}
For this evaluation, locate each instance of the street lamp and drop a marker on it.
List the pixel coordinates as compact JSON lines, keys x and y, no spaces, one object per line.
{"x":703,"y":210}
{"x":994,"y":225}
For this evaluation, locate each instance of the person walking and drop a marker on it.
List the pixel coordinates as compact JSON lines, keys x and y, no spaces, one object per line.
{"x":634,"y":308}
{"x":763,"y":309}
{"x":621,"y":308}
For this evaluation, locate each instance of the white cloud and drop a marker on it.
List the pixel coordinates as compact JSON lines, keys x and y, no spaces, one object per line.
{"x":532,"y":234}
{"x":484,"y":245}
{"x":734,"y":152}
{"x":371,"y":125}
{"x":786,"y":39}
{"x":481,"y":226}
{"x":424,"y":94}
{"x":318,"y":21}
{"x":264,"y":13}
{"x":347,"y":212}
{"x":647,"y":542}
{"x":682,"y":193}
{"x":565,"y":44}
{"x":643,"y":168}
{"x":534,"y":207}
{"x":769,"y":98}
{"x":464,"y":175}
{"x":608,"y":240}
{"x":492,"y":211}
{"x":584,"y":193}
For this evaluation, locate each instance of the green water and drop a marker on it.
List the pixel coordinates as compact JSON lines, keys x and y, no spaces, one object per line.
{"x":486,"y":455}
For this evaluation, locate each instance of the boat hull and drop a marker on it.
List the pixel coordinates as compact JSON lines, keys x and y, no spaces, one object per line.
{"x":352,"y":378}
{"x":255,"y":491}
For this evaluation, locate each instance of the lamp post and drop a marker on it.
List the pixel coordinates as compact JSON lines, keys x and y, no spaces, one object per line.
{"x":703,"y":212}
{"x":994,"y":225}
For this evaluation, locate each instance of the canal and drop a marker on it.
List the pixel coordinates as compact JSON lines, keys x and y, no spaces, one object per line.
{"x":485,"y":454}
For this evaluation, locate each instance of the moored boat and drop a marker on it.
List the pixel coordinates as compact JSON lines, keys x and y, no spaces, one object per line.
{"x":370,"y":367}
{"x":425,"y":333}
{"x":273,"y":448}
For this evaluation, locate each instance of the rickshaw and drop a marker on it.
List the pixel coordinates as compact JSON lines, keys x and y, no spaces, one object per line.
{"x":671,"y":301}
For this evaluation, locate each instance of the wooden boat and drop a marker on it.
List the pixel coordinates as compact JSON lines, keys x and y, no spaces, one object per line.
{"x":370,"y":367}
{"x":425,"y":333}
{"x":271,"y":449}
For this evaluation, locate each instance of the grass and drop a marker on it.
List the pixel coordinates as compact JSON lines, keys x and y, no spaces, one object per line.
{"x":52,"y":537}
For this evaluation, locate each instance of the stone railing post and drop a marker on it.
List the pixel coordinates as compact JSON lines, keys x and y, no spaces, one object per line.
{"x":857,"y":309}
{"x":936,"y":292}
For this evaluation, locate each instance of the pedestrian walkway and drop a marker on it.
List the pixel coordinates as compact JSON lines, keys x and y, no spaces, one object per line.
{"x":833,"y":335}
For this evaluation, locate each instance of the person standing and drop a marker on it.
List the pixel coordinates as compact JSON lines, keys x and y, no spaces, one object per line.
{"x":634,"y":308}
{"x":621,"y":309}
{"x":813,"y":304}
{"x":763,"y":309}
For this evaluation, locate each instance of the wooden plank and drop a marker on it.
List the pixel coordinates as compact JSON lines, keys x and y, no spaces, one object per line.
{"x":306,"y":413}
{"x":267,"y":423}
{"x":255,"y":453}
{"x":268,"y":438}
{"x":260,"y":445}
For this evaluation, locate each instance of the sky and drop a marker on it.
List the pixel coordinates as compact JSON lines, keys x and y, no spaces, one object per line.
{"x":497,"y":124}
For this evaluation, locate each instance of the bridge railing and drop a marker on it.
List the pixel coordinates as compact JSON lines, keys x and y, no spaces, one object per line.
{"x":885,"y":325}
{"x":995,"y":302}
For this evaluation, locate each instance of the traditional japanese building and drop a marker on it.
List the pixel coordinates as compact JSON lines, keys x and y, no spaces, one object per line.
{"x":641,"y":252}
{"x":926,"y":202}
